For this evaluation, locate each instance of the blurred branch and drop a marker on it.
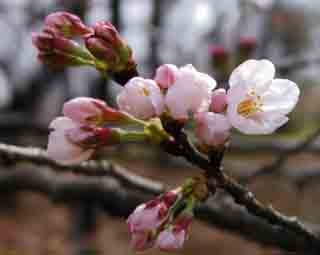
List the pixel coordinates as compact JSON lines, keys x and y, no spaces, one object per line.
{"x":11,"y":155}
{"x":58,"y":186}
{"x":281,"y":159}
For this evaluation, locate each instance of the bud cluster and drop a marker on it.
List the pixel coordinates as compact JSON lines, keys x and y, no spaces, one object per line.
{"x":103,"y":47}
{"x":164,"y":222}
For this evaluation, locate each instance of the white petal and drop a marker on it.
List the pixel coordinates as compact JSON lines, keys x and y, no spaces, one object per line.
{"x":62,"y":123}
{"x":281,"y":97}
{"x":60,"y":148}
{"x":256,"y":74}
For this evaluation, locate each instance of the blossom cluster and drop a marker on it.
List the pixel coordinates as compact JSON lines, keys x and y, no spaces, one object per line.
{"x":255,"y":103}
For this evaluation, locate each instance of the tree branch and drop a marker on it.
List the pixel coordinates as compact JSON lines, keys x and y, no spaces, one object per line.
{"x":118,"y":200}
{"x":11,"y":155}
{"x":239,"y":193}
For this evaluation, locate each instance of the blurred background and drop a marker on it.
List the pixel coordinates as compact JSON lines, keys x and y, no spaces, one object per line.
{"x":214,"y":36}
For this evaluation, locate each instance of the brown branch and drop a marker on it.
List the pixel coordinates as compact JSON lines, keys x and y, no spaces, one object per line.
{"x":11,"y":155}
{"x":239,"y":193}
{"x":118,"y":200}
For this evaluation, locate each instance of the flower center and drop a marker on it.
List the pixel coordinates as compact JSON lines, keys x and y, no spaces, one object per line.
{"x":249,"y":107}
{"x":145,"y":91}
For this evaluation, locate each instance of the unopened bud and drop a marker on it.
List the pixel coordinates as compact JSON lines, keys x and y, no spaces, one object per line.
{"x":106,"y":44}
{"x":246,"y":48}
{"x":93,"y":137}
{"x":59,"y":51}
{"x":220,"y":60}
{"x":93,"y":111}
{"x":66,"y":24}
{"x":219,"y":101}
{"x":166,"y":75}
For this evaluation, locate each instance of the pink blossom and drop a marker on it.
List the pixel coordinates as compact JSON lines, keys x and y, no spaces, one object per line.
{"x":219,"y":101}
{"x":258,"y":103}
{"x":191,"y":93}
{"x":151,"y":215}
{"x":174,"y":236}
{"x":61,"y":148}
{"x":166,"y":75}
{"x":141,"y":241}
{"x":88,"y":110}
{"x":213,"y":129}
{"x":147,"y":217}
{"x":142,"y":98}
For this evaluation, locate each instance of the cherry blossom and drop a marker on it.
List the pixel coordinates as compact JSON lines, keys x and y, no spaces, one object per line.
{"x":258,"y":103}
{"x":191,"y":93}
{"x":213,"y":129}
{"x":142,"y":98}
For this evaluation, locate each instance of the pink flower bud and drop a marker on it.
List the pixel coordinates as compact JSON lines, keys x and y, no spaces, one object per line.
{"x":141,"y":241}
{"x":166,"y":75}
{"x":213,"y":129}
{"x":248,"y":43}
{"x":60,"y":148}
{"x":88,"y":110}
{"x":150,"y":216}
{"x":103,"y":51}
{"x":58,"y":51}
{"x":171,"y":240}
{"x":108,"y":33}
{"x":70,"y":142}
{"x":147,"y":217}
{"x":106,"y":44}
{"x":219,"y":101}
{"x":191,"y":93}
{"x":218,"y":52}
{"x":66,"y":24}
{"x":247,"y":46}
{"x":142,"y":98}
{"x":220,"y":60}
{"x":174,"y":236}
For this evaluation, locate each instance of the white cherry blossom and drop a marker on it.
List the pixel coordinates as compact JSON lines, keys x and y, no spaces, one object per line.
{"x":258,"y":103}
{"x":191,"y":93}
{"x":142,"y":98}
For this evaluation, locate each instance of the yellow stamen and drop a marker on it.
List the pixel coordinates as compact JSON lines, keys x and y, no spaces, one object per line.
{"x":145,"y":91}
{"x":249,"y":107}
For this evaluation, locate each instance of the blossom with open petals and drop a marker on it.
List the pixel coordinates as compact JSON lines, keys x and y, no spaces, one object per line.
{"x":213,"y":129}
{"x":258,"y":103}
{"x":142,"y":98}
{"x":191,"y":93}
